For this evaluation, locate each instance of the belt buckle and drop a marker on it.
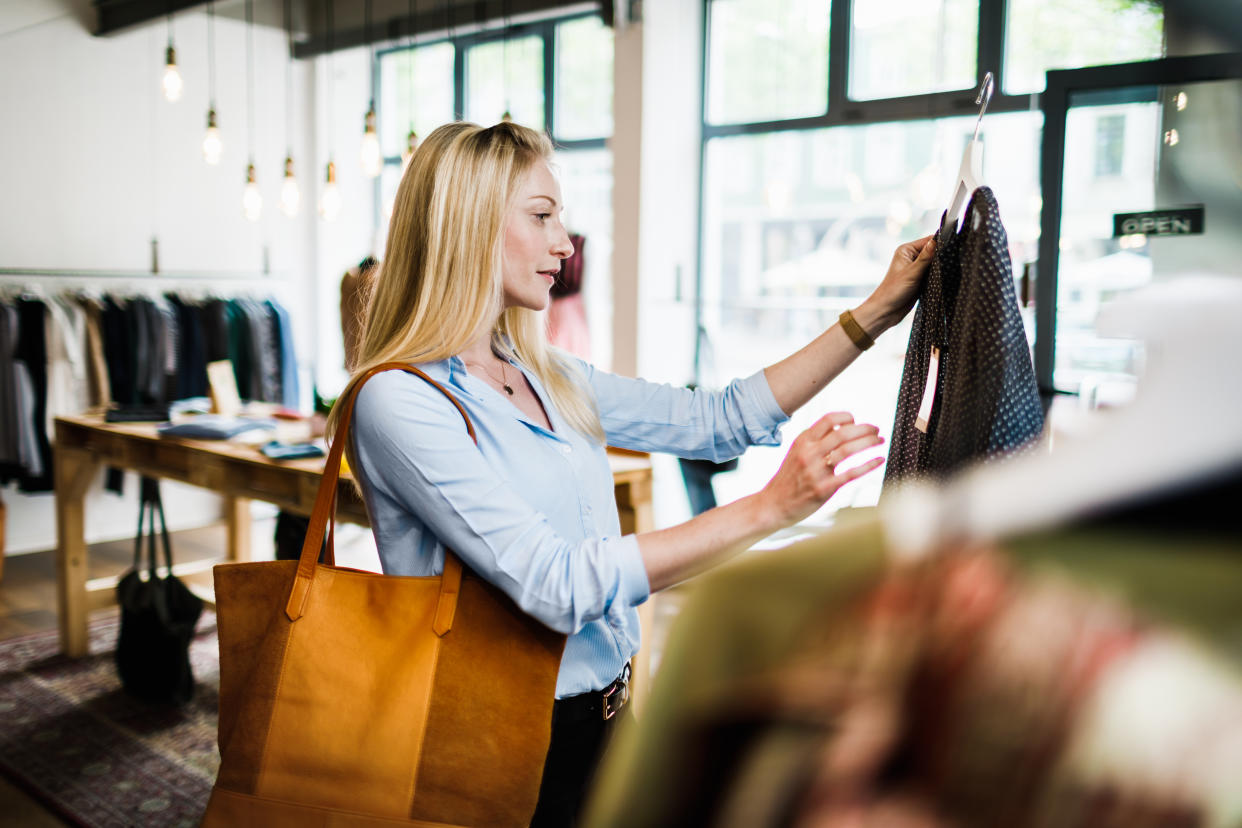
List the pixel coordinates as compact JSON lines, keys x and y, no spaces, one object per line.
{"x":616,"y":694}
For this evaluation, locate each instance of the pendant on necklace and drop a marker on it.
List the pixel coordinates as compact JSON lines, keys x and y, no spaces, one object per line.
{"x":508,"y":389}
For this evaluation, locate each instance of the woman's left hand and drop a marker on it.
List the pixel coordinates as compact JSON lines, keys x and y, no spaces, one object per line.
{"x":891,"y":301}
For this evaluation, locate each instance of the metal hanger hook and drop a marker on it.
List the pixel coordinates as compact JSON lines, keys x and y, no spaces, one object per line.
{"x":984,"y":98}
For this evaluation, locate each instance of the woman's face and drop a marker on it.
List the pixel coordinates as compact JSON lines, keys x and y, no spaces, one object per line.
{"x":535,"y":240}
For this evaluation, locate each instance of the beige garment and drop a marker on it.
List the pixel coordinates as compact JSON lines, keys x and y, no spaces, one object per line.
{"x":99,"y":386}
{"x":65,"y":335}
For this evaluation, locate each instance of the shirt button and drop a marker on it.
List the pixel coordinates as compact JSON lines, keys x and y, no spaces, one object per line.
{"x":567,"y":449}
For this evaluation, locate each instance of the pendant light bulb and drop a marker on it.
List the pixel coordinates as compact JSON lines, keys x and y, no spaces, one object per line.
{"x":172,"y":76}
{"x":290,"y":196}
{"x":212,"y":145}
{"x":372,"y":159}
{"x":330,"y":198}
{"x":411,"y":143}
{"x":252,"y":200}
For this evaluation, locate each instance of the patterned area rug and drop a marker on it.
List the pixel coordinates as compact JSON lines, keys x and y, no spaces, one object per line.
{"x":72,"y":738}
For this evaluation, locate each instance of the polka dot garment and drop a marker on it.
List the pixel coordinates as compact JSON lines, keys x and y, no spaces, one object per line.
{"x":987,"y":402}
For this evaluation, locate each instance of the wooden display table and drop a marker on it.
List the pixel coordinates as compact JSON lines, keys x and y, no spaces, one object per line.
{"x":238,"y":472}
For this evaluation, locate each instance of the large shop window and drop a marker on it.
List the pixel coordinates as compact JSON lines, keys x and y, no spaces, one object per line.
{"x":1064,"y":34}
{"x":756,"y":50}
{"x":507,"y":74}
{"x":800,"y":225}
{"x":583,"y":79}
{"x":416,"y":87}
{"x":803,"y":204}
{"x":936,"y":43}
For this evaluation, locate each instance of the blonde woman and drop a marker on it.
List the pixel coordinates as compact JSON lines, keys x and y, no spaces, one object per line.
{"x":474,"y":246}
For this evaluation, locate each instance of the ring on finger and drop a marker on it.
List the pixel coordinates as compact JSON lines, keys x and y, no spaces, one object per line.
{"x":828,"y":459}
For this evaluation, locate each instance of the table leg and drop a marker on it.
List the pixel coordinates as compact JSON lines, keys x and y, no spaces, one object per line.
{"x":237,"y":514}
{"x":634,"y":509}
{"x":74,"y":471}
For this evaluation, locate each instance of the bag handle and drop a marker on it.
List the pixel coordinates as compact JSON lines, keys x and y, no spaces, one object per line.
{"x":324,"y":514}
{"x":149,"y":501}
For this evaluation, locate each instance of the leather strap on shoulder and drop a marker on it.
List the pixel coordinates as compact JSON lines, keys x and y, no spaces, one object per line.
{"x":323,"y":515}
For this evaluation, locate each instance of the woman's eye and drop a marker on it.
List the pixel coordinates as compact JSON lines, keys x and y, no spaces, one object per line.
{"x":542,"y":217}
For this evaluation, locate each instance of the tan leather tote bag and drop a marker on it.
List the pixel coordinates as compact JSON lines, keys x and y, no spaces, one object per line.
{"x":351,"y":698}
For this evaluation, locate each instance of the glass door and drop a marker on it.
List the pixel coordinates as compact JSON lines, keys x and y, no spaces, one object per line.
{"x":1142,"y":182}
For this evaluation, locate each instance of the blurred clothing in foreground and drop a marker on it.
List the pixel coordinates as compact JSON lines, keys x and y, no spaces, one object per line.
{"x":1086,"y":676}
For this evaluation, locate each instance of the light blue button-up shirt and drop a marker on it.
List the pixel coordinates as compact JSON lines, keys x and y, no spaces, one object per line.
{"x":531,"y":510}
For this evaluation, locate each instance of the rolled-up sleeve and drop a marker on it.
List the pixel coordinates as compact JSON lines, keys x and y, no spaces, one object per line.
{"x":706,"y":425}
{"x":413,"y":452}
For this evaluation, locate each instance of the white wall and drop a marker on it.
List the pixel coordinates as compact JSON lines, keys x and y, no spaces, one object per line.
{"x":97,"y":164}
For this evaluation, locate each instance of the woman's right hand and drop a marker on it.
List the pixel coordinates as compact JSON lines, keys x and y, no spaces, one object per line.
{"x":809,"y":474}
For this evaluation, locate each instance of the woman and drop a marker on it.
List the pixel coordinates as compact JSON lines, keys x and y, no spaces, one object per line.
{"x":474,"y":246}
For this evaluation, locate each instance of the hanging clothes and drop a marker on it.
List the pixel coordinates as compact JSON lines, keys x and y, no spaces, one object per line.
{"x":191,"y":350}
{"x":986,"y":401}
{"x":32,"y":350}
{"x":283,"y":333}
{"x":567,"y":319}
{"x":67,"y":386}
{"x":266,"y":344}
{"x":10,"y":409}
{"x":1004,"y":683}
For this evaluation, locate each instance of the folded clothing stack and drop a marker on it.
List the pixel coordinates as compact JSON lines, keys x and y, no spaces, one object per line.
{"x":215,"y":427}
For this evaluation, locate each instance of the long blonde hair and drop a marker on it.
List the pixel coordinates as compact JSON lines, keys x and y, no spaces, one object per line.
{"x":440,"y":281}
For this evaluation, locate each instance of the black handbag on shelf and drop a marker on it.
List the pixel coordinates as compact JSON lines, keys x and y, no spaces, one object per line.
{"x":158,"y":616}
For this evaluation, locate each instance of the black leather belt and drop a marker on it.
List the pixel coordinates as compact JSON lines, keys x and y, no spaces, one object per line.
{"x":599,"y":704}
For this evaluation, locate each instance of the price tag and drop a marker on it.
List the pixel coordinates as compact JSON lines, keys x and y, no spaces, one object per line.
{"x":929,"y":392}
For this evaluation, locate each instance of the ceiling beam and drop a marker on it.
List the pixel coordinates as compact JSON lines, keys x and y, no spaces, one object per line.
{"x":390,"y":19}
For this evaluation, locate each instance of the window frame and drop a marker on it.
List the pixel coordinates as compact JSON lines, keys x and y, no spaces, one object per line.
{"x":843,"y":111}
{"x":1062,"y":85}
{"x":544,"y":29}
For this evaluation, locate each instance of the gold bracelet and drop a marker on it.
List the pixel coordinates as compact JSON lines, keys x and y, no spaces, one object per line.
{"x":855,"y":332}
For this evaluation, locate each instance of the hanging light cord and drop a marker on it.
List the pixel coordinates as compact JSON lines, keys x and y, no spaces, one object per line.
{"x":250,"y":75}
{"x":211,"y":55}
{"x":371,"y":54}
{"x":328,"y":85}
{"x":504,"y":19}
{"x":289,"y":79}
{"x":409,"y":67}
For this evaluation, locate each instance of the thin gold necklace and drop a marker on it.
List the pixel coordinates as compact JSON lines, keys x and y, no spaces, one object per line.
{"x":503,"y":382}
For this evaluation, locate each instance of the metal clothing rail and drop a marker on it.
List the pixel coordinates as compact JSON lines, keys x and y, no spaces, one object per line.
{"x":143,"y":275}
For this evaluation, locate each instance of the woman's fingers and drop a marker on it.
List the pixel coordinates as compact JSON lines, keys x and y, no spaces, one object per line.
{"x":808,"y":476}
{"x":825,"y":425}
{"x":860,"y":439}
{"x":859,"y":470}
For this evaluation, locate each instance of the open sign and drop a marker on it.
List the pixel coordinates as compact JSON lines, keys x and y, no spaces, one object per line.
{"x":1183,"y":221}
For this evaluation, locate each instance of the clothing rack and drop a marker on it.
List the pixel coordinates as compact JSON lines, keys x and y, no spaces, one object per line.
{"x":143,"y":275}
{"x":196,"y":284}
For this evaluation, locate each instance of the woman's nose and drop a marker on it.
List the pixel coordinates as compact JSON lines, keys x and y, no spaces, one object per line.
{"x":562,"y":247}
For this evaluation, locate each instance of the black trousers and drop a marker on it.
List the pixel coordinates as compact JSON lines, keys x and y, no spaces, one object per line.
{"x":579,"y":735}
